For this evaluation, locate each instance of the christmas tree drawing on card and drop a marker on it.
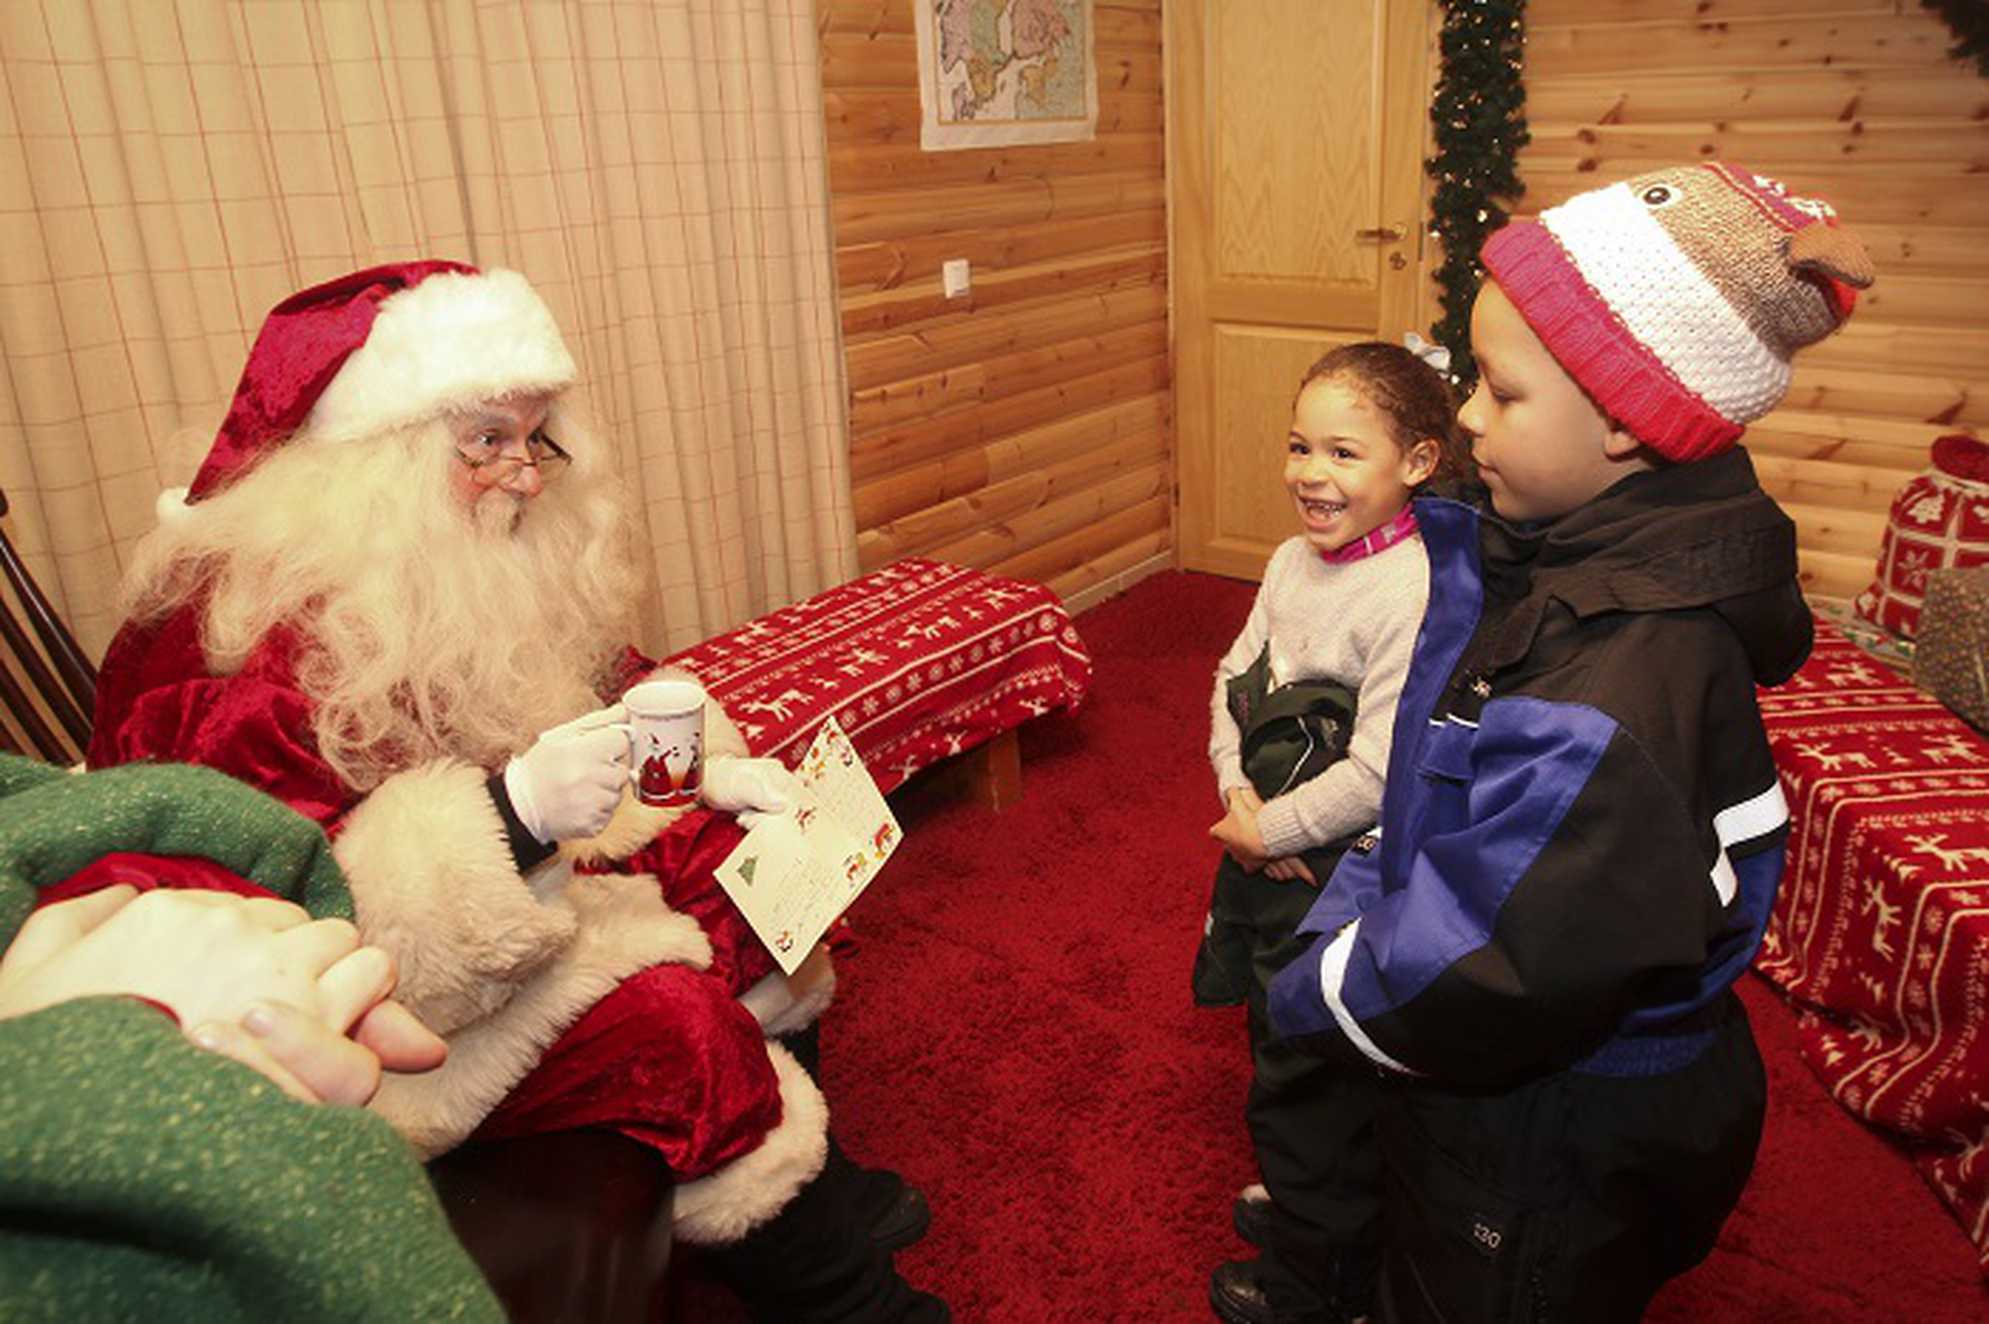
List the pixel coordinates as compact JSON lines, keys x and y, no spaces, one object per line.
{"x":795,"y":873}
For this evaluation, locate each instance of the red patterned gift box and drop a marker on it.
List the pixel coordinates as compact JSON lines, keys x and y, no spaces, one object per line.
{"x":1939,"y":520}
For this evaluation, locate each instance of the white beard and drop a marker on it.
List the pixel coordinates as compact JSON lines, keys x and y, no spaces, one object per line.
{"x":434,"y":630}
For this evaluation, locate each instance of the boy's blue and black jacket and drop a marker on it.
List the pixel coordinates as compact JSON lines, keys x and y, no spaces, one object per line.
{"x":1582,"y":830}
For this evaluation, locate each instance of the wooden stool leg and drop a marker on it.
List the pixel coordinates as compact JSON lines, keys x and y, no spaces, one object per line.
{"x":995,"y":771}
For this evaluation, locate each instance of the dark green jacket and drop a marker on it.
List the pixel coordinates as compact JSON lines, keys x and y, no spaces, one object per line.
{"x":1290,"y":735}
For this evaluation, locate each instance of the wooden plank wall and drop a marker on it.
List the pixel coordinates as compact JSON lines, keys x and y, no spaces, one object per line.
{"x":1027,"y":427}
{"x":1854,"y":101}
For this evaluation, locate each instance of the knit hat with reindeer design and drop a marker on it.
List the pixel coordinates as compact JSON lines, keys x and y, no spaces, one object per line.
{"x":1677,"y":298}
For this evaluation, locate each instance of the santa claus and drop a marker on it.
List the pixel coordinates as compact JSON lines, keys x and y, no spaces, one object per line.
{"x":395,"y":597}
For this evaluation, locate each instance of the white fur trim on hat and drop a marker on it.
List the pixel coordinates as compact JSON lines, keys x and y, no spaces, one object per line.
{"x":451,"y":342}
{"x":170,"y":506}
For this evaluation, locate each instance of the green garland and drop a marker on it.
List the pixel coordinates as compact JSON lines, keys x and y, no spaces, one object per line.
{"x":1480,"y":122}
{"x":1969,"y":21}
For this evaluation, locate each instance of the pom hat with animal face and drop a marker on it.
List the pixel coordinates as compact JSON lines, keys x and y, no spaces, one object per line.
{"x":1677,"y":298}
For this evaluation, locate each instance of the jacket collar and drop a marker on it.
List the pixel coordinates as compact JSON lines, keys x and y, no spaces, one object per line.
{"x":1696,"y":535}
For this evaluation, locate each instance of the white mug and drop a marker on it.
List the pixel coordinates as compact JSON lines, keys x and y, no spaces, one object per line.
{"x":666,"y":740}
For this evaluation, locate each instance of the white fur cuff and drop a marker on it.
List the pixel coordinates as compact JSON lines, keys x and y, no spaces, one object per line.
{"x":433,"y":882}
{"x":746,"y":1192}
{"x":451,"y":342}
{"x":623,"y":927}
{"x":784,"y":1004}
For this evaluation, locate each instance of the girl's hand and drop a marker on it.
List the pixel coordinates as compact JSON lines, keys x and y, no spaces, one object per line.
{"x":1237,"y":831}
{"x":1239,"y":836}
{"x":1288,"y":868}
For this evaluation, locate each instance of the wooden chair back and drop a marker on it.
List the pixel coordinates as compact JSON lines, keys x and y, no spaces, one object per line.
{"x":48,"y":688}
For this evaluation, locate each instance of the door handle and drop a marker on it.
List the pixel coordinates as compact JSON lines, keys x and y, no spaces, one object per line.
{"x":1385,"y":234}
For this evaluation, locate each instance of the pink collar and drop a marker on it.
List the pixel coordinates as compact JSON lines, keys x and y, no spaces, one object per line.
{"x":1375,"y":540}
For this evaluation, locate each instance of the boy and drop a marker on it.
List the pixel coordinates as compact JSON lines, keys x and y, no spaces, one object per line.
{"x":1583,"y":830}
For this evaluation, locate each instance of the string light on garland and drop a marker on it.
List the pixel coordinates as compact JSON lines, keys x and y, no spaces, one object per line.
{"x":1969,"y":21}
{"x":1479,"y":119}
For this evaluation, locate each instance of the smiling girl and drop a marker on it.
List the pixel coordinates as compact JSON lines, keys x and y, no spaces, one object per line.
{"x":1301,"y":718}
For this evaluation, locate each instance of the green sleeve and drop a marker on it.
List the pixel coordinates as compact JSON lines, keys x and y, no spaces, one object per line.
{"x":144,"y":1179}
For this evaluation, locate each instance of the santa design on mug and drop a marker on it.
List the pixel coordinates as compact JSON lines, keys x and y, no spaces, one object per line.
{"x":666,"y":735}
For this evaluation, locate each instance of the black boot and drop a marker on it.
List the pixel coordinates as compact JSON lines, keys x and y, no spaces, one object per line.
{"x":806,"y":1045}
{"x":1273,"y":1289}
{"x":1241,"y":1293}
{"x":811,"y":1264}
{"x":895,"y":1211}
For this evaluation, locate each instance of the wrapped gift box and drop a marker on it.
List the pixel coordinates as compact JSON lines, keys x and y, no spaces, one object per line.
{"x":1952,"y":659}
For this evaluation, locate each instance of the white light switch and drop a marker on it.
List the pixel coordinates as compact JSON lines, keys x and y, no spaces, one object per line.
{"x":955,"y":275}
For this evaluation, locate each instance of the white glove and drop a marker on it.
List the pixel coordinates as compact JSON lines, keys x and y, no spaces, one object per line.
{"x":749,"y":788}
{"x":569,"y":782}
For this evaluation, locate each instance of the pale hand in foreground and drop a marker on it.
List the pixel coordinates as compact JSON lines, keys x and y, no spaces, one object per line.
{"x":256,"y":979}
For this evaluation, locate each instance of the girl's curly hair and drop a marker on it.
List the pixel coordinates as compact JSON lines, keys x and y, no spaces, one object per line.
{"x":1411,"y":395}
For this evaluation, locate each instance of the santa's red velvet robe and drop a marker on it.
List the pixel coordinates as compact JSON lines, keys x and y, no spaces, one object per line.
{"x":665,"y":1052}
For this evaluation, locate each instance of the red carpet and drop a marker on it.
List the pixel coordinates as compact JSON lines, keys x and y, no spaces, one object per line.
{"x":1015,"y":1034}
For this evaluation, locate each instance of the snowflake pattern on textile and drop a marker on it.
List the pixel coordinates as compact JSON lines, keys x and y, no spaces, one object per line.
{"x":1936,"y":522}
{"x":1816,"y":207}
{"x":1928,"y":509}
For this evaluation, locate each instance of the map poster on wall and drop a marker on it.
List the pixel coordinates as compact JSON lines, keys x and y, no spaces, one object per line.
{"x":993,"y":73}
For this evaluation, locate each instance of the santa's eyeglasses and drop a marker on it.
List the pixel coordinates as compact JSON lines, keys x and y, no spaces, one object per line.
{"x":485,"y":457}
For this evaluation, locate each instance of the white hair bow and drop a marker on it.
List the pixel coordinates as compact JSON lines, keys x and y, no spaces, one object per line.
{"x":1437,"y":356}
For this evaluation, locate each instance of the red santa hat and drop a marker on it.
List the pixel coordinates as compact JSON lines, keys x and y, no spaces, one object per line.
{"x":1677,"y":298}
{"x":380,"y":349}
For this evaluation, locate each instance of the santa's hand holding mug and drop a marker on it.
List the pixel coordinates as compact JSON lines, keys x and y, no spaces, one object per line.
{"x":750,"y":788}
{"x":568,"y":784}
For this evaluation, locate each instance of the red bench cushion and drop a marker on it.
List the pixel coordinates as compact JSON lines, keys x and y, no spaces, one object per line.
{"x":918,"y":661}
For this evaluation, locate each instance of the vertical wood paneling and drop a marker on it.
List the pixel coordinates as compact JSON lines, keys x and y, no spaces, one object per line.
{"x":1026,"y":428}
{"x":1854,"y":101}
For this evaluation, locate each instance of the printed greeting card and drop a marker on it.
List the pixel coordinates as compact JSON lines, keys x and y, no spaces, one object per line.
{"x":796,"y":872}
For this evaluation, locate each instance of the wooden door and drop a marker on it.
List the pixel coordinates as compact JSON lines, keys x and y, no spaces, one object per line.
{"x":1295,"y":190}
